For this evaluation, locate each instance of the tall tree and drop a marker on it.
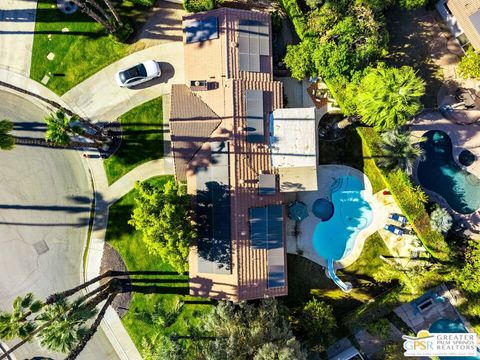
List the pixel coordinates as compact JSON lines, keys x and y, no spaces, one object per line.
{"x":97,"y":13}
{"x":388,"y":97}
{"x":164,"y":218}
{"x":247,"y":331}
{"x":400,"y":150}
{"x":316,"y":320}
{"x":59,"y":129}
{"x":17,"y":323}
{"x":7,"y":140}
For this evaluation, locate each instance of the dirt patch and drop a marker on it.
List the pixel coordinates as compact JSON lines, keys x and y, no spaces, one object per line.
{"x":112,"y":260}
{"x":418,"y":39}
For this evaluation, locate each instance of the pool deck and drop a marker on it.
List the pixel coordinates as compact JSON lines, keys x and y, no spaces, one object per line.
{"x":439,"y":310}
{"x":303,"y":241}
{"x":463,"y":137}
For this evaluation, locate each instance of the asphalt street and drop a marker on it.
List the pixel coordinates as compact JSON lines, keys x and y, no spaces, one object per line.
{"x":44,"y":211}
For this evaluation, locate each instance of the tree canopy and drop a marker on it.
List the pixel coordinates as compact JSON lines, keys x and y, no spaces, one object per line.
{"x":468,"y":278}
{"x":250,"y":331}
{"x":440,"y":220}
{"x":387,"y":97}
{"x":400,"y":150}
{"x":7,"y":141}
{"x":163,"y":215}
{"x":341,"y":38}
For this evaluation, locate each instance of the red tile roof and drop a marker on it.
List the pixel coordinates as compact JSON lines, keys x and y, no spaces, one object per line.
{"x":218,"y":62}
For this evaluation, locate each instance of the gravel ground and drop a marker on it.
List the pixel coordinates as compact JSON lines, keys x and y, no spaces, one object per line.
{"x":112,"y":260}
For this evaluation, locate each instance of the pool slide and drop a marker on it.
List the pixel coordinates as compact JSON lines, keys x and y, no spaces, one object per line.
{"x":345,"y":286}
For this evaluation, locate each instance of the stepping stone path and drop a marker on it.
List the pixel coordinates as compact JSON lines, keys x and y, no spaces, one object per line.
{"x":45,"y":79}
{"x":51,"y":56}
{"x":65,"y":30}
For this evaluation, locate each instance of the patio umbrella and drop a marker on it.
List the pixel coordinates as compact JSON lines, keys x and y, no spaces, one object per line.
{"x":297,"y":211}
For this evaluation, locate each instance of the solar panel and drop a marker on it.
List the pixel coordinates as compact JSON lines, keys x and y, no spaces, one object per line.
{"x":201,"y":30}
{"x":255,"y":121}
{"x":213,"y":213}
{"x":253,"y":42}
{"x":266,"y":232}
{"x":475,"y":19}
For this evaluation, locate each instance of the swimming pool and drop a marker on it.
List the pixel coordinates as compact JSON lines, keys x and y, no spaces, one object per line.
{"x":335,"y":238}
{"x":450,"y":326}
{"x":439,"y":173}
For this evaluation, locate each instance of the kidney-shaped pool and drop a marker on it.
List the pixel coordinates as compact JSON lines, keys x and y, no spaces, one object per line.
{"x":335,"y":238}
{"x":439,"y":173}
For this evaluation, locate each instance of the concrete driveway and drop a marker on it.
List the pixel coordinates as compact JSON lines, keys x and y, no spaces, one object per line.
{"x":101,"y":99}
{"x":44,"y":211}
{"x":17,"y":24}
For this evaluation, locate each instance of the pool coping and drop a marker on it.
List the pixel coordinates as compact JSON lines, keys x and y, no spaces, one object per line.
{"x":305,"y":243}
{"x":434,"y":121}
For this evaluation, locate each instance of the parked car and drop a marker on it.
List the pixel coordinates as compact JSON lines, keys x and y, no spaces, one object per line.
{"x":394,"y":229}
{"x":398,"y":218}
{"x":138,"y":74}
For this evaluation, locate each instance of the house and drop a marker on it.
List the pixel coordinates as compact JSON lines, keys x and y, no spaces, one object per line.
{"x":463,"y":20}
{"x":220,"y":124}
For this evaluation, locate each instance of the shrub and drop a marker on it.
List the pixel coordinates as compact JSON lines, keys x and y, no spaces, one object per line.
{"x":412,"y":4}
{"x":380,"y":327}
{"x":295,"y":15}
{"x":144,"y":2}
{"x":470,"y":64}
{"x":194,"y":6}
{"x":276,"y":22}
{"x":405,"y":195}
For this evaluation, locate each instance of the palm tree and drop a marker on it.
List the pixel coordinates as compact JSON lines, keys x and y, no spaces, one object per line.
{"x":86,"y":123}
{"x":64,"y":324}
{"x":92,"y":330}
{"x":16,"y":323}
{"x":93,"y":9}
{"x":7,"y":141}
{"x":400,"y":150}
{"x":440,"y":220}
{"x":58,"y":129}
{"x":388,"y":97}
{"x":59,"y":326}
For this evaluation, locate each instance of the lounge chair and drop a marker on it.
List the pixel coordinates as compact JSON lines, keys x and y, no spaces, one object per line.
{"x":398,"y":218}
{"x":394,"y":229}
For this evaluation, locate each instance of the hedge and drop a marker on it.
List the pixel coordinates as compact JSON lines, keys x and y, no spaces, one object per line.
{"x":194,"y":6}
{"x":405,"y":195}
{"x":296,"y":15}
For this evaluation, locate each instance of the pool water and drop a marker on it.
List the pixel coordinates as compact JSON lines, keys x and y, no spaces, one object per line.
{"x":439,"y":173}
{"x":450,"y":326}
{"x":335,"y":238}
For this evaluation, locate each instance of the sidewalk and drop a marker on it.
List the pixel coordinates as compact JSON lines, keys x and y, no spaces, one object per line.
{"x":17,"y":26}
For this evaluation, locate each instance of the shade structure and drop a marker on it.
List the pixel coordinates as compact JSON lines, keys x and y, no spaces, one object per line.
{"x":297,"y":211}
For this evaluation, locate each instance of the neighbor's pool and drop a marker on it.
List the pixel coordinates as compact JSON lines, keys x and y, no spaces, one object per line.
{"x":335,"y":238}
{"x":439,"y":173}
{"x":450,"y":326}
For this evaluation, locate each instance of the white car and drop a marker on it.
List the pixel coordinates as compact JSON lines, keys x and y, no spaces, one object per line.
{"x":138,"y":74}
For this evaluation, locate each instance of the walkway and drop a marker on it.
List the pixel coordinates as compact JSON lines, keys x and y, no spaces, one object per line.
{"x":17,"y":24}
{"x":100,"y":98}
{"x":164,"y":24}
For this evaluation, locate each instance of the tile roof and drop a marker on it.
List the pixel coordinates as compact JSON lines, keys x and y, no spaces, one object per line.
{"x":191,"y":124}
{"x":217,"y":62}
{"x":463,"y":10}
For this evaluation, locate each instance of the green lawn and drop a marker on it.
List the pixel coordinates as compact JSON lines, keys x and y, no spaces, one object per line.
{"x":128,"y":242}
{"x":350,"y":151}
{"x":308,"y":279}
{"x":79,"y":53}
{"x":142,"y":139}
